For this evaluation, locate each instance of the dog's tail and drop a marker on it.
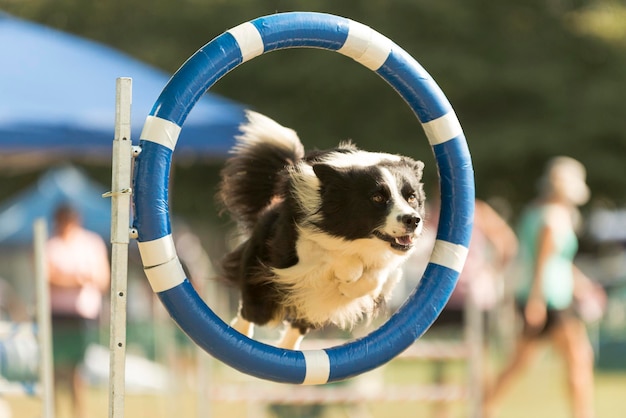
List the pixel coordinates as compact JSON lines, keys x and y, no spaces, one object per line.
{"x":251,"y":175}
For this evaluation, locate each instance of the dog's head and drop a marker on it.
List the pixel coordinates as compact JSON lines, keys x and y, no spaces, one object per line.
{"x":371,"y":195}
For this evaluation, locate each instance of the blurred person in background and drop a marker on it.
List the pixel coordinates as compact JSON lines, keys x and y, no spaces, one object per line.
{"x":79,"y":276}
{"x":492,"y":248}
{"x":549,"y":284}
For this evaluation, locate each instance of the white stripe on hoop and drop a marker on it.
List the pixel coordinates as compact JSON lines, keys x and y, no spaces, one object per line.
{"x":161,"y":131}
{"x":165,"y":276}
{"x":249,"y":40}
{"x":317,"y":367}
{"x":443,"y":129}
{"x":158,"y":251}
{"x":449,"y":255}
{"x":366,"y":46}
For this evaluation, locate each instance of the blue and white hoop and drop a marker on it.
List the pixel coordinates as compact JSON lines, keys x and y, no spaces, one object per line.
{"x":158,"y":140}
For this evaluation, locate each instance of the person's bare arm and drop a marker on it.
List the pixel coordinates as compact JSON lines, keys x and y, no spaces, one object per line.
{"x":535,"y":310}
{"x":587,"y":289}
{"x":101,"y":277}
{"x":61,"y":278}
{"x":497,"y":231}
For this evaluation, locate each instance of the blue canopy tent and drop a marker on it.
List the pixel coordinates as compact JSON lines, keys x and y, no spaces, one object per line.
{"x":61,"y":185}
{"x":57,"y":99}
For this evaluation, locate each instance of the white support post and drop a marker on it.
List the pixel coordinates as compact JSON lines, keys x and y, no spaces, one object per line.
{"x":475,"y":337}
{"x":120,"y":236}
{"x":44,"y":327}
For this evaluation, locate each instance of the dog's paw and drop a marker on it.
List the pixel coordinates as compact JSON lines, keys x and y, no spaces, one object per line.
{"x":366,"y":285}
{"x":349,"y":270}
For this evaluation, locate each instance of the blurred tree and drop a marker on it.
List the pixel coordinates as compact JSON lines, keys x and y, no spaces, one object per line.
{"x":528,"y":80}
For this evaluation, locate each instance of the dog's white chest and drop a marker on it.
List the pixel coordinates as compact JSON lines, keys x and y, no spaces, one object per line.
{"x":339,"y":281}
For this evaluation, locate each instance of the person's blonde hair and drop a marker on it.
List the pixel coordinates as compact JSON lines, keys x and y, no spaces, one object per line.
{"x":565,"y":175}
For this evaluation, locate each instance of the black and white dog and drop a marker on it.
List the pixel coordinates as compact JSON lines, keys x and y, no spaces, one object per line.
{"x":327,"y":231}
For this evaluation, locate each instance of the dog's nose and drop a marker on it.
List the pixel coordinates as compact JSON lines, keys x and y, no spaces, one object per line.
{"x":410,"y":221}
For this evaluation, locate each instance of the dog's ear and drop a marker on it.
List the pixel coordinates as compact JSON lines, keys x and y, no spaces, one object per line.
{"x":418,"y":167}
{"x":327,"y":173}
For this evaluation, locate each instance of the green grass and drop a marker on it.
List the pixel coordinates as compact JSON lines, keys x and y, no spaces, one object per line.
{"x":539,"y":393}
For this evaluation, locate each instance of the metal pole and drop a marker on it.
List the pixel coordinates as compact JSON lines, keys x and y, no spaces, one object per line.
{"x":120,"y":223}
{"x":475,"y":337}
{"x":44,"y":334}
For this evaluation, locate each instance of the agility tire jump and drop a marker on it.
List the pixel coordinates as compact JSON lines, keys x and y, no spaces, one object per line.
{"x":151,"y":176}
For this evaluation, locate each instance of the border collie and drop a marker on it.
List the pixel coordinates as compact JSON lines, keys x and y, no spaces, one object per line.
{"x":326,"y":231}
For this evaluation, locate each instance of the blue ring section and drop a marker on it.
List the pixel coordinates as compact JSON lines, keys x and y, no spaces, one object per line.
{"x":152,"y":173}
{"x":195,"y":77}
{"x":208,"y":331}
{"x":456,"y":177}
{"x":413,"y":319}
{"x":416,"y":87}
{"x":297,"y":29}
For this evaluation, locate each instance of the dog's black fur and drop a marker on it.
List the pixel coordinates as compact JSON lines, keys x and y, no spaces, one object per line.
{"x":329,"y":207}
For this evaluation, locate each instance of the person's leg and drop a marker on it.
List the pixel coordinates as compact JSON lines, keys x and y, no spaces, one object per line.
{"x":524,"y":353}
{"x":62,"y":333}
{"x":87,"y":333}
{"x":570,"y":338}
{"x":62,"y":382}
{"x":78,"y":395}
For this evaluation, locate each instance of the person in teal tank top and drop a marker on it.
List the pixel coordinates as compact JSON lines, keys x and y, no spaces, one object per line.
{"x":557,"y":278}
{"x":549,"y":280}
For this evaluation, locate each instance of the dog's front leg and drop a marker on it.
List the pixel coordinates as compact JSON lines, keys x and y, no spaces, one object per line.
{"x":363,"y":287}
{"x":291,"y":338}
{"x":243,"y":326}
{"x":370,"y":283}
{"x":349,"y":270}
{"x":392,"y":280}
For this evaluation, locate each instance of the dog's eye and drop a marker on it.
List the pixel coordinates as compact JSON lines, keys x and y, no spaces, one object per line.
{"x":378,"y":198}
{"x":412,"y":199}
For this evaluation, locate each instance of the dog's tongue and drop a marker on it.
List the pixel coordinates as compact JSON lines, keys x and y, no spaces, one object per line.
{"x":404,"y":240}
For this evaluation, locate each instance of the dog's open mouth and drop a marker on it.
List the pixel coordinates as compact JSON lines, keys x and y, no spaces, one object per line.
{"x":402,"y":243}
